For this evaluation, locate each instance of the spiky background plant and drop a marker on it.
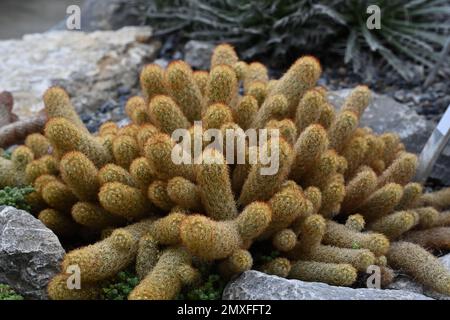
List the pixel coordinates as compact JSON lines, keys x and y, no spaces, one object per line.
{"x":121,"y":187}
{"x":414,"y":31}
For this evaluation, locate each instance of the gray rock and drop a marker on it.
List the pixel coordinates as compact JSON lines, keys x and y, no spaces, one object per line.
{"x":254,"y":285}
{"x":30,"y":254}
{"x":198,"y":54}
{"x":112,"y":14}
{"x":90,"y":66}
{"x":386,"y":114}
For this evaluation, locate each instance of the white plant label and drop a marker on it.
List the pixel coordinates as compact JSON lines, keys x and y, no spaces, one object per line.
{"x":444,"y":124}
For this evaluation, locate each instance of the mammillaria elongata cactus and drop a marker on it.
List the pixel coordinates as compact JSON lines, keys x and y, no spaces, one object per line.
{"x":169,"y":217}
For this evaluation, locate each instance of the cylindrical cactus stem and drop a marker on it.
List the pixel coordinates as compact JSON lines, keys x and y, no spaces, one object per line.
{"x":333,"y":193}
{"x":216,"y":115}
{"x":215,"y":187}
{"x":93,"y":216}
{"x":136,"y":110}
{"x":274,"y":107}
{"x":253,"y":220}
{"x":59,"y":196}
{"x":58,"y":289}
{"x":142,"y":172}
{"x":212,"y":240}
{"x":438,"y":199}
{"x":401,"y":171}
{"x":361,"y":259}
{"x":57,"y":105}
{"x":411,"y":195}
{"x":80,"y":175}
{"x":420,"y":264}
{"x":208,"y":239}
{"x":158,"y":150}
{"x":324,"y":170}
{"x":114,"y":173}
{"x":157,"y":193}
{"x":355,"y":153}
{"x":223,"y":54}
{"x":184,"y":193}
{"x":147,"y":255}
{"x":300,"y":77}
{"x":8,"y":176}
{"x":261,"y":186}
{"x":20,"y":158}
{"x":358,"y":100}
{"x":287,"y":205}
{"x":443,"y":219}
{"x":359,"y":189}
{"x":166,"y":230}
{"x":240,"y":260}
{"x":428,"y":217}
{"x":314,"y":195}
{"x":65,"y":137}
{"x":166,"y":115}
{"x":38,"y":144}
{"x":339,"y":235}
{"x":435,"y":238}
{"x":259,"y":91}
{"x":166,"y":279}
{"x":153,"y":81}
{"x":240,"y":68}
{"x":327,"y":115}
{"x":125,"y":150}
{"x":355,"y":222}
{"x":108,"y":128}
{"x":342,"y":129}
{"x":60,"y":223}
{"x":124,"y":201}
{"x":222,"y":86}
{"x":107,"y":257}
{"x":330,"y":273}
{"x":42,"y":180}
{"x":287,"y":128}
{"x":145,"y":132}
{"x":201,"y":79}
{"x":255,"y":72}
{"x":311,"y":232}
{"x":279,"y":267}
{"x":246,"y":111}
{"x":309,"y":109}
{"x":387,"y":276}
{"x":284,"y":240}
{"x":392,"y":144}
{"x":381,"y":202}
{"x":184,"y":89}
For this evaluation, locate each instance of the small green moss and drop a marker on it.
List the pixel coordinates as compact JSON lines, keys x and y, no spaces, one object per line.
{"x":6,"y":154}
{"x":120,"y":287}
{"x":15,"y":197}
{"x":356,"y":245}
{"x":6,"y":293}
{"x":211,"y":289}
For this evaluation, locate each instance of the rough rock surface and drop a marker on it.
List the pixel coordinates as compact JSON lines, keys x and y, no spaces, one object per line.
{"x":406,"y":283}
{"x":30,"y":253}
{"x":90,"y":66}
{"x":254,"y":285}
{"x":198,"y":54}
{"x":385,"y":114}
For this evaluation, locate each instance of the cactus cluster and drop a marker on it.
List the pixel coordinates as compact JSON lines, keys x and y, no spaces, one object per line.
{"x":341,"y":200}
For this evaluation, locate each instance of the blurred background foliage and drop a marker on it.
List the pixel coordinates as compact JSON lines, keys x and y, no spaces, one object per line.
{"x":413,"y":33}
